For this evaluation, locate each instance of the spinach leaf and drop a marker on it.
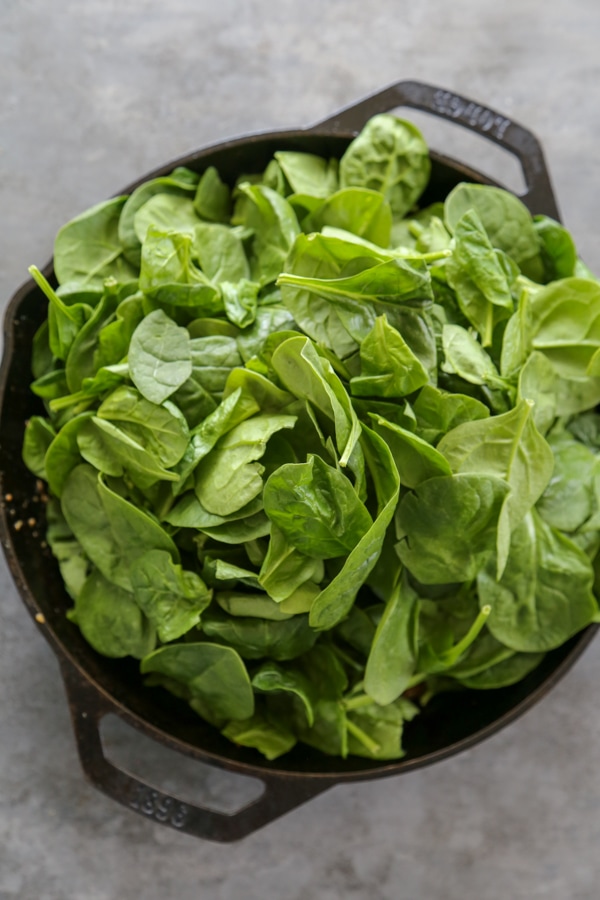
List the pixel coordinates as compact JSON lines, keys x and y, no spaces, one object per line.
{"x":213,"y":197}
{"x":38,"y":436}
{"x":389,"y":368}
{"x":112,"y":531}
{"x":215,"y":677}
{"x":275,"y":226}
{"x":316,"y":507}
{"x":309,"y":174}
{"x":171,"y":597}
{"x":111,"y":621}
{"x":258,"y":638}
{"x":389,"y":156}
{"x":545,"y":593}
{"x":478,"y":277}
{"x":88,"y":249}
{"x":506,"y":220}
{"x":229,"y":476}
{"x":181,"y":182}
{"x":447,"y":528}
{"x":266,"y":734}
{"x":159,"y":357}
{"x":335,"y":600}
{"x":392,"y":656}
{"x":510,"y":447}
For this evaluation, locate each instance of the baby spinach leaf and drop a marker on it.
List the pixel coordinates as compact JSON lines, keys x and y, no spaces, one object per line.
{"x":159,"y":357}
{"x":478,"y":277}
{"x":171,"y":597}
{"x":390,"y":156}
{"x":271,"y":677}
{"x":82,"y":360}
{"x":72,"y":561}
{"x":168,"y":276}
{"x":388,"y":367}
{"x":316,"y":507}
{"x":63,"y":453}
{"x":111,"y":450}
{"x":392,"y":656}
{"x":111,"y":621}
{"x":563,"y":321}
{"x":213,"y":197}
{"x":112,"y":531}
{"x":214,"y":675}
{"x":266,"y":734}
{"x":275,"y":226}
{"x":376,"y":731}
{"x":447,"y":528}
{"x":258,"y":638}
{"x":181,"y":182}
{"x":165,"y":212}
{"x":64,"y":321}
{"x":506,"y":220}
{"x":439,"y":411}
{"x":335,"y":600}
{"x":558,"y":251}
{"x":240,"y":300}
{"x":220,"y":253}
{"x":510,"y":447}
{"x":357,"y":210}
{"x":159,"y":427}
{"x":309,"y":377}
{"x":570,"y":497}
{"x":309,"y":174}
{"x":229,"y":476}
{"x":501,"y":674}
{"x":415,"y":459}
{"x":256,"y":606}
{"x":88,"y":248}
{"x":545,"y":593}
{"x":38,"y":436}
{"x":285,"y":568}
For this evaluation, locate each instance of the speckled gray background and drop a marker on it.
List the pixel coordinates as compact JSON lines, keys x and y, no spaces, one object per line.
{"x":93,"y":94}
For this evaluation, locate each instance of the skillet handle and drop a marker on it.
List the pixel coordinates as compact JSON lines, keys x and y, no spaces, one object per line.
{"x":539,"y":196}
{"x":88,"y":708}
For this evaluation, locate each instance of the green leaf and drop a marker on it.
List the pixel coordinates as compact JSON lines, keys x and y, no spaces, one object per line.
{"x":392,"y":657}
{"x":478,"y":277}
{"x":335,"y":601}
{"x":390,"y":156}
{"x":506,"y":220}
{"x":159,"y":357}
{"x":215,"y":676}
{"x":259,"y":638}
{"x":448,"y":527}
{"x":229,"y":476}
{"x":545,"y":594}
{"x":111,"y":621}
{"x":38,"y":436}
{"x":171,"y":597}
{"x":316,"y":508}
{"x":88,"y":249}
{"x":388,"y":367}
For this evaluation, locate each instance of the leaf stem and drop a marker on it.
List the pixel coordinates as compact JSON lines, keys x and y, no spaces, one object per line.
{"x":371,"y":745}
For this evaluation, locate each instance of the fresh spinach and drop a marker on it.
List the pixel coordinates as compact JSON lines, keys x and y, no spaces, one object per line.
{"x":311,"y":447}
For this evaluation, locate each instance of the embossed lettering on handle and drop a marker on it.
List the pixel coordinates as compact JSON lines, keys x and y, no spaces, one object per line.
{"x":479,"y":117}
{"x":158,"y":806}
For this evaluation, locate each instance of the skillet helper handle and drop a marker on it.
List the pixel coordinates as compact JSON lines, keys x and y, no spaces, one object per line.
{"x":88,"y":708}
{"x":539,"y":196}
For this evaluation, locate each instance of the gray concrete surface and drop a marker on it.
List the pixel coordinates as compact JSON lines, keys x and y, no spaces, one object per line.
{"x":95,"y":93}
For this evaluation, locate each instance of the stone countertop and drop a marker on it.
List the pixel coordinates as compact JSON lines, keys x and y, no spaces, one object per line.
{"x":95,"y":94}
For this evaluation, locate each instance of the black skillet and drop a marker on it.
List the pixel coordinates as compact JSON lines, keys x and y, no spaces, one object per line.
{"x":97,"y":686}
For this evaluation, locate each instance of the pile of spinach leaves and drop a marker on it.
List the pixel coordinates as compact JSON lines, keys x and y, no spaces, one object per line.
{"x":315,"y":453}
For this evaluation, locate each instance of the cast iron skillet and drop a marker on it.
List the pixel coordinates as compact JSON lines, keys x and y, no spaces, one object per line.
{"x":95,"y":685}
